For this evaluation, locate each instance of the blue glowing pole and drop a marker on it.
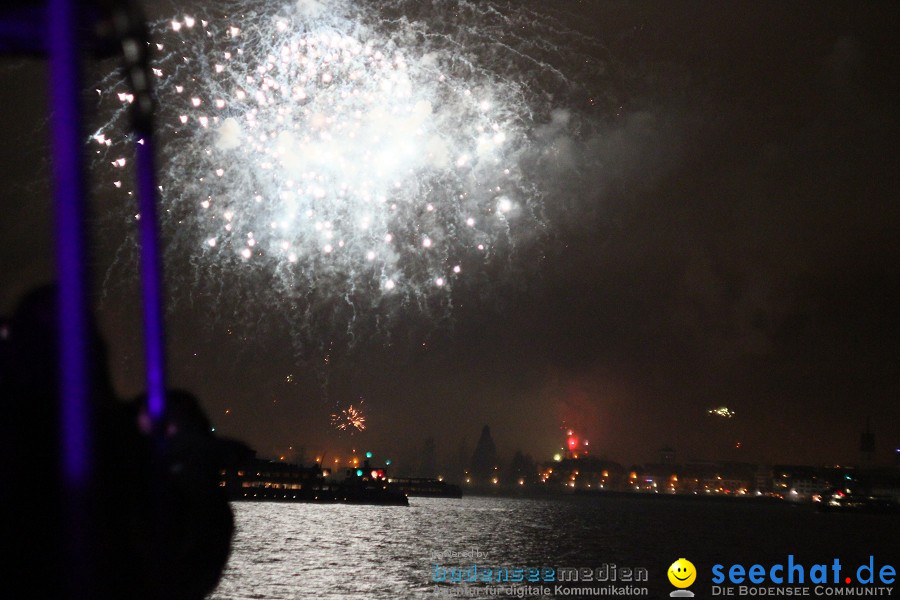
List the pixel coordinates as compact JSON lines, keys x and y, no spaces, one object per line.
{"x":75,"y":382}
{"x":132,"y":32}
{"x":151,"y":281}
{"x":69,"y":191}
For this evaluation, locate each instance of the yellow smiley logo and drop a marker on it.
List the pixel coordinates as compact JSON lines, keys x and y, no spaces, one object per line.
{"x":682,"y":573}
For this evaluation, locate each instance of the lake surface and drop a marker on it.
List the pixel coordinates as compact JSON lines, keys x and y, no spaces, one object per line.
{"x":293,"y":551}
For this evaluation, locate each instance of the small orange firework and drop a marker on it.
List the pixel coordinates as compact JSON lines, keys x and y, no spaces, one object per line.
{"x":350,"y":419}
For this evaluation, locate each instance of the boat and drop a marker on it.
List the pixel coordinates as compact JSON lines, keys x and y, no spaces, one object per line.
{"x":259,"y":480}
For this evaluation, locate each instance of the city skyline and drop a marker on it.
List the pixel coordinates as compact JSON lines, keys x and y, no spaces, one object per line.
{"x":409,"y":458}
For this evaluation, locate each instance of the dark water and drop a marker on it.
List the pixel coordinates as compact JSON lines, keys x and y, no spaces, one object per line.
{"x":290,"y":551}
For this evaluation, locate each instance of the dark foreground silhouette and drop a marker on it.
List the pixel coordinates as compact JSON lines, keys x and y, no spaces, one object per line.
{"x":152,"y":522}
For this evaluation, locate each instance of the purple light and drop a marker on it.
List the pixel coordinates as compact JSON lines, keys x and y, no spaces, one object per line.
{"x":68,"y":144}
{"x":151,"y":280}
{"x":75,"y":385}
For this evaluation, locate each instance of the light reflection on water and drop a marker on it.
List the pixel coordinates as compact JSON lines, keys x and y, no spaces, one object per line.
{"x":294,"y":551}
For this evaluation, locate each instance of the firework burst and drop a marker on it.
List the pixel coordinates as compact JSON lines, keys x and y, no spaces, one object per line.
{"x":722,"y":411}
{"x":350,"y":419}
{"x":337,"y":159}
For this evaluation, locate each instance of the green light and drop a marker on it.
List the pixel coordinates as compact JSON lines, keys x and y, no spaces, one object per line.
{"x":368,"y":455}
{"x":387,"y":462}
{"x":359,"y":472}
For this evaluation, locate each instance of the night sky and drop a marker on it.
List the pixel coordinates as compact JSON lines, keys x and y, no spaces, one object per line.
{"x":728,"y":237}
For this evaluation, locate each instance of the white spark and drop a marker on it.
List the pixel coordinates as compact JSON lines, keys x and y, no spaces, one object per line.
{"x":380,"y":144}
